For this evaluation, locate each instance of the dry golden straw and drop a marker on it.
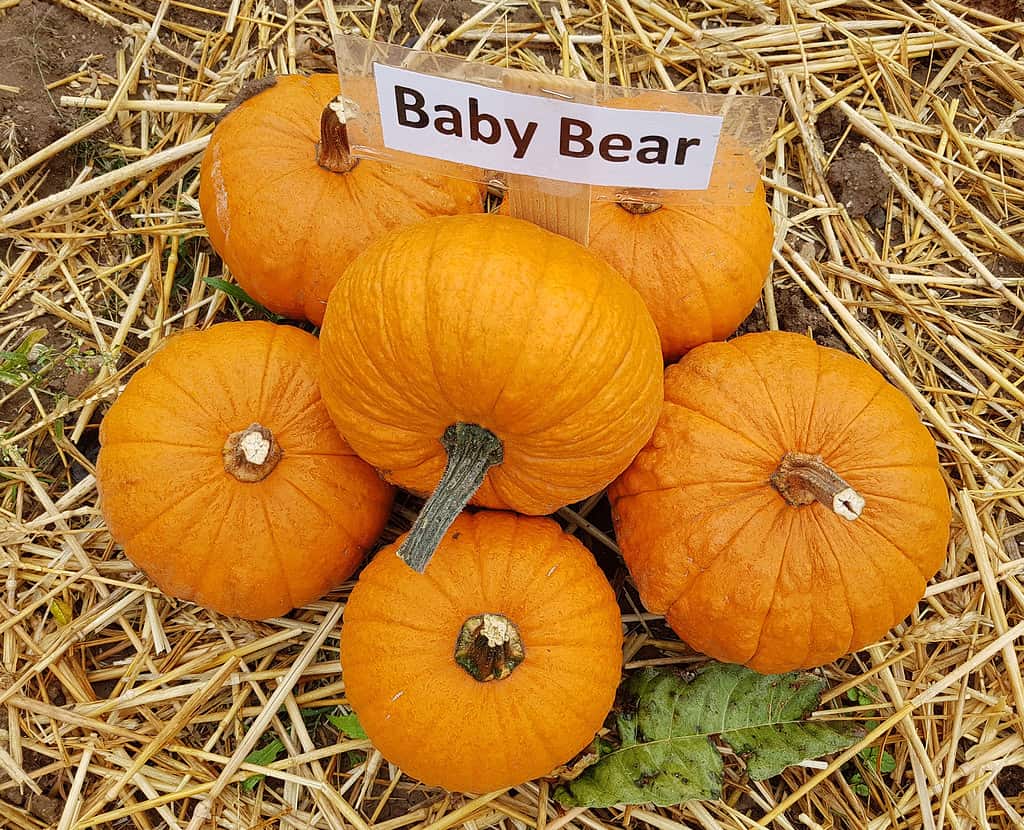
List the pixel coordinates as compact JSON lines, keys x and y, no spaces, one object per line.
{"x":121,"y":708}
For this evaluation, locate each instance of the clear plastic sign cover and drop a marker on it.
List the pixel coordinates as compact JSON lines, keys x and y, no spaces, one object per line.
{"x":514,"y":129}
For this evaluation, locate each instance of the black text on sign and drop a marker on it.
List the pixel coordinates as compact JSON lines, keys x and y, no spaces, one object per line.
{"x":518,"y":133}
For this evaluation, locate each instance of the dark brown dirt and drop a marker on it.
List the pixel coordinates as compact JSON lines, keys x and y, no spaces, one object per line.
{"x":798,"y":314}
{"x":45,"y":806}
{"x":858,"y":182}
{"x":454,"y":12}
{"x":831,"y":125}
{"x":1010,"y":781}
{"x":1006,"y":268}
{"x":42,"y":42}
{"x":1006,"y":9}
{"x":201,"y":15}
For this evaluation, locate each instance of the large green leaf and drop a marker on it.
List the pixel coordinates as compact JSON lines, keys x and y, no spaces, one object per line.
{"x":665,"y":754}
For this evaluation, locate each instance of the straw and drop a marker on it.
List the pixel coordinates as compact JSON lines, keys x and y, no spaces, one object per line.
{"x":126,"y":708}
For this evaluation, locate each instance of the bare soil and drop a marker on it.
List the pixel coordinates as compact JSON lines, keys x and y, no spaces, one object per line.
{"x":1007,"y":9}
{"x":858,"y":182}
{"x":43,"y":42}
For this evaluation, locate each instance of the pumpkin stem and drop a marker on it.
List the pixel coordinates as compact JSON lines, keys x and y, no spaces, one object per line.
{"x":803,"y":479}
{"x":251,"y":454}
{"x":489,"y":647}
{"x":332,"y":150}
{"x":472,"y":451}
{"x":638,"y":207}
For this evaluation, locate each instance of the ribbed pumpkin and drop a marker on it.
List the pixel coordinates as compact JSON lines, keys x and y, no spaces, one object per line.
{"x":287,"y":207}
{"x":789,"y":507}
{"x":509,"y":358}
{"x":224,"y":479}
{"x":700,"y":268}
{"x":491,"y":669}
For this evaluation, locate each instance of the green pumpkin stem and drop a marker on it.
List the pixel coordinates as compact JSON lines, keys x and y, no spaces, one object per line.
{"x":333,"y":151}
{"x":802,"y":479}
{"x":489,"y":647}
{"x":472,"y":451}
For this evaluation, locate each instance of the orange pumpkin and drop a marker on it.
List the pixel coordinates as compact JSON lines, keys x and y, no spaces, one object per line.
{"x":223,"y":477}
{"x":287,"y":207}
{"x":456,"y":675}
{"x":699,"y":268}
{"x":509,"y":358}
{"x":789,"y":507}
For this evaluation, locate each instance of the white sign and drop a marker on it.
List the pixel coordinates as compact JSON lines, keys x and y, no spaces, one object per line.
{"x":519,"y":133}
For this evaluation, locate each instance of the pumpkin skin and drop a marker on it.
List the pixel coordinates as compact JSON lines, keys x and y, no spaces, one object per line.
{"x":252,"y":548}
{"x":425,"y":712}
{"x":742,"y":574}
{"x":494,"y":322}
{"x":286,"y":226}
{"x":699,"y":268}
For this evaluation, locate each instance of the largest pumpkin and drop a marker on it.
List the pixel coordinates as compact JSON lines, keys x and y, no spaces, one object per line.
{"x":508,"y":357}
{"x":789,"y":507}
{"x":287,"y":206}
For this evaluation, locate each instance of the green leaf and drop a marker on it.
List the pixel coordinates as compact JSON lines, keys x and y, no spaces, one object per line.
{"x":888,"y":763}
{"x":666,"y":755}
{"x":870,"y":758}
{"x":261,"y":757}
{"x":236,"y":292}
{"x":347,"y":725}
{"x":33,"y":337}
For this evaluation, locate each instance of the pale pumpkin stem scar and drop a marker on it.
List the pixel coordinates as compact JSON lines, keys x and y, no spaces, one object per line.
{"x":333,"y":151}
{"x":489,"y":647}
{"x":472,"y":451}
{"x":638,"y":207}
{"x":251,"y":454}
{"x":802,"y":479}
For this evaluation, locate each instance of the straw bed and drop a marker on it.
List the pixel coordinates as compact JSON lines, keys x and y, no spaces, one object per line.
{"x":120,"y":708}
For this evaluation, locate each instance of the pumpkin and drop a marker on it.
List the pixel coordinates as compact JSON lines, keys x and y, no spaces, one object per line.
{"x":699,"y":265}
{"x":456,"y":675}
{"x":700,"y":268}
{"x":510,"y":359}
{"x":287,"y":207}
{"x":789,"y":507}
{"x":224,"y":479}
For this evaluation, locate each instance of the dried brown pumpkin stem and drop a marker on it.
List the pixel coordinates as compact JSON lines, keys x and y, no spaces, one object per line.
{"x":489,"y":647}
{"x":332,"y":150}
{"x":251,"y":454}
{"x":802,"y":479}
{"x":638,"y":207}
{"x":472,"y":451}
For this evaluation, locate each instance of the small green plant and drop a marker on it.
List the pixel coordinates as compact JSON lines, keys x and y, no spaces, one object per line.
{"x":312,"y":718}
{"x":237,"y":297}
{"x":78,"y":360}
{"x":28,"y":362}
{"x":348,"y":725}
{"x":266,"y":754}
{"x":882,"y":764}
